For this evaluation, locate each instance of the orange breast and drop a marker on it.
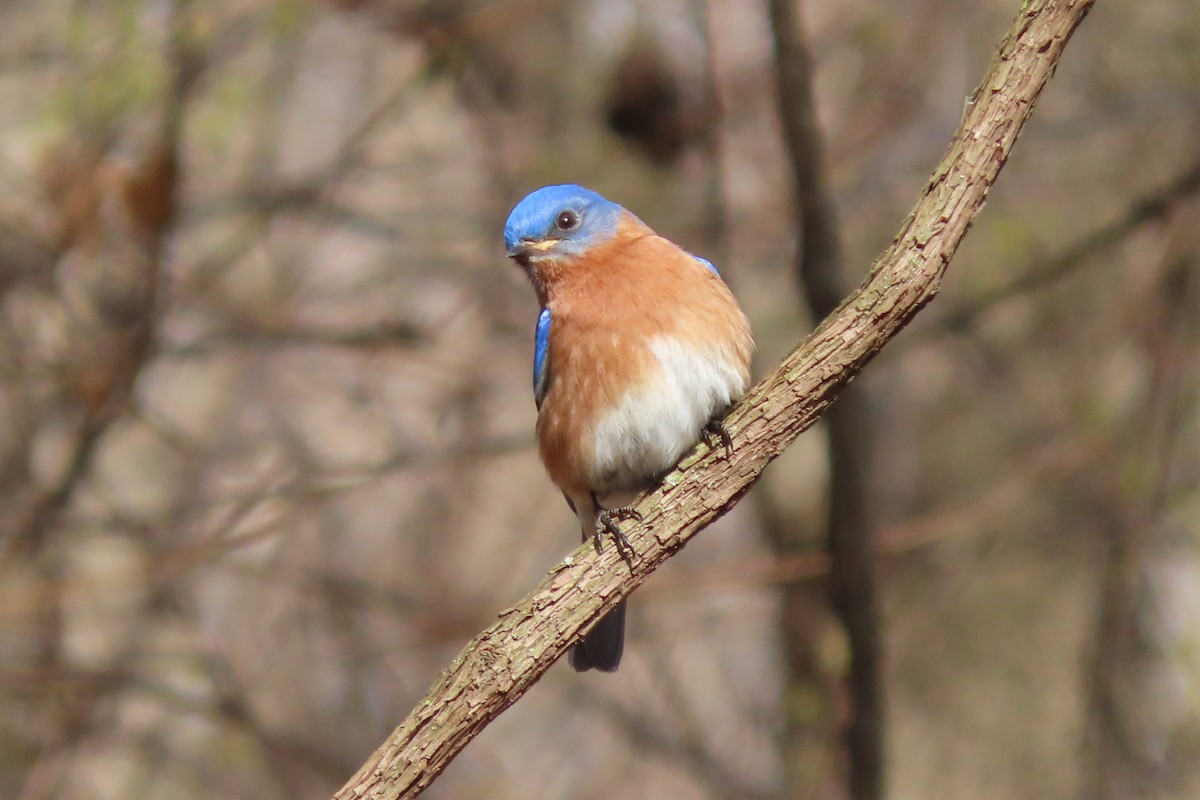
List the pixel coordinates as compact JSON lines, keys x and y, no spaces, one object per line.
{"x":606,"y":309}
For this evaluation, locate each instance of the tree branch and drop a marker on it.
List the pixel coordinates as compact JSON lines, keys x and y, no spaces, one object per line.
{"x":849,"y":524}
{"x":1042,"y":273}
{"x":504,"y":661}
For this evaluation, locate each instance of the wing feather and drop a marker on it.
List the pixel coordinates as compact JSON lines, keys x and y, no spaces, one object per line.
{"x":541,"y":347}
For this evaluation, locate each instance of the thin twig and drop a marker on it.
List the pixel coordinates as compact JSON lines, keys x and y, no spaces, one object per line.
{"x":1042,"y":273}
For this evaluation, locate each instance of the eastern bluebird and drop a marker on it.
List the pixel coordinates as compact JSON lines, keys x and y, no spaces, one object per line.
{"x":639,"y":348}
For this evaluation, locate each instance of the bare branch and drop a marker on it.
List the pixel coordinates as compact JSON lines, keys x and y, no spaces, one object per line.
{"x":1045,"y":272}
{"x":850,"y":528}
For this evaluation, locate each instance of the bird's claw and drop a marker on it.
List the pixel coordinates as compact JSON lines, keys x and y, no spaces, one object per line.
{"x":606,"y":523}
{"x":714,"y":430}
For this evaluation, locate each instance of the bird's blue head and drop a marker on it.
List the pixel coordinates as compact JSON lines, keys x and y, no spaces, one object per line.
{"x":559,"y":221}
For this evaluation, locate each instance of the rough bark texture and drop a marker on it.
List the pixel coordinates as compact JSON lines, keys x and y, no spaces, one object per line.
{"x":502,"y":662}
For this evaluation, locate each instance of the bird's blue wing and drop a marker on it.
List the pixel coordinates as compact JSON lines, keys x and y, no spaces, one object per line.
{"x":706,"y":263}
{"x":541,"y":346}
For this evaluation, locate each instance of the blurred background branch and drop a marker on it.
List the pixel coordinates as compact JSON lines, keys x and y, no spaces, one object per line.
{"x":820,"y":274}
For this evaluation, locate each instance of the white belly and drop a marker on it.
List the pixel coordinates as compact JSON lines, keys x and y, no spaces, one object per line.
{"x":656,"y":423}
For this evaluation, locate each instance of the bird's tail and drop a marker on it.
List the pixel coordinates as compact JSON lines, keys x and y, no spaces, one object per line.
{"x":602,"y":646}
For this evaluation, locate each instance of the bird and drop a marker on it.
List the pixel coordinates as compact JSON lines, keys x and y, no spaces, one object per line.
{"x":639,"y":350}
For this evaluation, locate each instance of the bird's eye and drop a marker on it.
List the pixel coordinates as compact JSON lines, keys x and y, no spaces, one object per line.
{"x":567,"y":221}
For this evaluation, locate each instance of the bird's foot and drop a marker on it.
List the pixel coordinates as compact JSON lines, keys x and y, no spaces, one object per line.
{"x":714,"y":430}
{"x":606,"y":523}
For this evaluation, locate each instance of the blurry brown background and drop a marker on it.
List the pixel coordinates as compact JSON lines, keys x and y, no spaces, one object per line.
{"x":266,"y":454}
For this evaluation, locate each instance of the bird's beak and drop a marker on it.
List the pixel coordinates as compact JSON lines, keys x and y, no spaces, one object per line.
{"x":527,"y":249}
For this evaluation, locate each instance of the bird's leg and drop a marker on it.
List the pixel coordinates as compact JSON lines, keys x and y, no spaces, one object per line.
{"x":606,"y":522}
{"x":715,"y":429}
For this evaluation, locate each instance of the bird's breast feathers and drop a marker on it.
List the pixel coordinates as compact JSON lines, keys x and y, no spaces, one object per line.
{"x":647,"y":345}
{"x":654,"y":423}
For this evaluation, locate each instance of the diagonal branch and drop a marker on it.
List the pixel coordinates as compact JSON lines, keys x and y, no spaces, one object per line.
{"x":504,"y":661}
